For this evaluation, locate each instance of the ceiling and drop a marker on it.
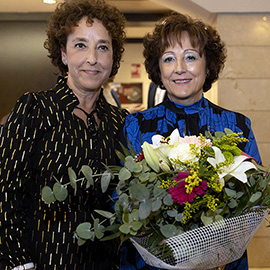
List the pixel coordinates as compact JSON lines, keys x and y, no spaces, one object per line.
{"x":211,"y":6}
{"x":136,"y":28}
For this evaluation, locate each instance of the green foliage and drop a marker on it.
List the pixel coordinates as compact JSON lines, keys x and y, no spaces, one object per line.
{"x":145,"y":208}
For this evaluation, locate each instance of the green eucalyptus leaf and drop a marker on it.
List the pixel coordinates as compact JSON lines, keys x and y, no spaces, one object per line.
{"x":218,"y":218}
{"x":172,"y":213}
{"x":144,"y":177}
{"x":126,"y":217}
{"x":230,"y":192}
{"x":112,"y":236}
{"x":231,"y":185}
{"x":206,"y":220}
{"x":137,"y":167}
{"x":99,"y":229}
{"x":136,"y":225}
{"x":125,"y":228}
{"x":145,"y":209}
{"x":134,"y":215}
{"x":255,"y":196}
{"x":179,"y":217}
{"x":263,"y":184}
{"x":156,"y":205}
{"x":47,"y":195}
{"x":168,"y":200}
{"x":159,"y":192}
{"x":122,"y":202}
{"x":219,"y":134}
{"x":84,"y":231}
{"x":80,"y":241}
{"x":239,"y":194}
{"x":60,"y":192}
{"x":105,"y":214}
{"x":88,"y":174}
{"x":129,"y":163}
{"x":169,"y":230}
{"x":124,"y":174}
{"x":72,"y":177}
{"x":228,"y":131}
{"x":153,"y":177}
{"x":140,"y":192}
{"x":251,"y":180}
{"x":232,"y":203}
{"x":105,"y":181}
{"x":132,"y":232}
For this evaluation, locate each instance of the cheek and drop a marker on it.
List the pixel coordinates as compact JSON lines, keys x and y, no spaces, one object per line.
{"x":164,"y":72}
{"x":107,"y":62}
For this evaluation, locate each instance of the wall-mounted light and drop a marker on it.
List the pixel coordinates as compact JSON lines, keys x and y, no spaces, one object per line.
{"x":49,"y":1}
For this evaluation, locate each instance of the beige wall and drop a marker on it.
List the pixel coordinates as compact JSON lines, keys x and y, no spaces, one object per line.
{"x":245,"y":87}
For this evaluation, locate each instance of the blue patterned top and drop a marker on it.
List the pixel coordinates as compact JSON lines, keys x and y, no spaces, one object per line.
{"x":192,"y":119}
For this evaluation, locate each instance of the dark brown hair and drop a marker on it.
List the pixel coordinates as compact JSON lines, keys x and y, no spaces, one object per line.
{"x":168,"y":30}
{"x":66,"y":17}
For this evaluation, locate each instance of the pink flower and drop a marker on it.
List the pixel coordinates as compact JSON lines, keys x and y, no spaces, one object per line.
{"x":179,"y":194}
{"x":196,"y":140}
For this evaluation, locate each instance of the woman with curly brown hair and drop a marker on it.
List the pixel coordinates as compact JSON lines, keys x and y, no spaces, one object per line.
{"x":184,"y":56}
{"x":68,"y":126}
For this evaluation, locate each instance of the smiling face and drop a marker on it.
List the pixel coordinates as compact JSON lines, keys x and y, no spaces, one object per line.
{"x":183,"y":71}
{"x":89,"y":56}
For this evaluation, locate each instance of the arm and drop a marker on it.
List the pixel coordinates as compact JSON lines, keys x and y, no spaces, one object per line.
{"x":15,"y":173}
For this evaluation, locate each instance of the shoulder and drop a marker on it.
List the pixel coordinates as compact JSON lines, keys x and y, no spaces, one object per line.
{"x":219,"y":109}
{"x":148,"y":114}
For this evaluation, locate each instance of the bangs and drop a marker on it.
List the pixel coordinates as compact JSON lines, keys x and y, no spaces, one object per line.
{"x":170,"y":36}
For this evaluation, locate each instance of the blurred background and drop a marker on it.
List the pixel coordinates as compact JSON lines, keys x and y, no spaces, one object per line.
{"x":244,"y":84}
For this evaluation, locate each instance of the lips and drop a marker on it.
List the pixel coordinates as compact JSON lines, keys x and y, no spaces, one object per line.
{"x":91,"y":72}
{"x":182,"y":81}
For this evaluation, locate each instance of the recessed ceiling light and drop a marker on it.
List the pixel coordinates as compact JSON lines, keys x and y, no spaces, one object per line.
{"x":49,"y":1}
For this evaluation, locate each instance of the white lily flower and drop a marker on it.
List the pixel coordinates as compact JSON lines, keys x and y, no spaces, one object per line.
{"x":175,"y":137}
{"x":151,"y":156}
{"x":236,"y":169}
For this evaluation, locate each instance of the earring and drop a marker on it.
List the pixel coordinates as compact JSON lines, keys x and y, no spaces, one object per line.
{"x":65,"y":62}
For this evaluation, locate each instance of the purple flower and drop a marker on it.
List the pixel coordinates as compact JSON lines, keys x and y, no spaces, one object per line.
{"x":179,"y":194}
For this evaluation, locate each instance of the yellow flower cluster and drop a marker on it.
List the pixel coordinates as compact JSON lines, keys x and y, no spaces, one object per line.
{"x":187,"y":213}
{"x":167,"y":183}
{"x":194,"y":149}
{"x":193,"y":180}
{"x":211,"y":202}
{"x":214,"y":184}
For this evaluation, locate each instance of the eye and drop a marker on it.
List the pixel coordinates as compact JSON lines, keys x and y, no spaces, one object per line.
{"x":80,"y":45}
{"x":190,"y":58}
{"x":103,"y":47}
{"x":168,"y":59}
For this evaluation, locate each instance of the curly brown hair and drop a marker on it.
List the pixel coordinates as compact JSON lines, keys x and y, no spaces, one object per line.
{"x":168,"y":30}
{"x":66,"y":17}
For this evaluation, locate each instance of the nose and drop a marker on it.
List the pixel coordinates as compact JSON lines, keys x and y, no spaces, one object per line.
{"x":91,"y":56}
{"x":180,"y":66}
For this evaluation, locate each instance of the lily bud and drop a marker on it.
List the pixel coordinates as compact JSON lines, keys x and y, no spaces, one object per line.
{"x":164,"y":166}
{"x":151,"y":156}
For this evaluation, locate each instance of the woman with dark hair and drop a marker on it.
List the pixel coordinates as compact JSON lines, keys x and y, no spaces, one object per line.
{"x":185,"y":57}
{"x":68,"y":126}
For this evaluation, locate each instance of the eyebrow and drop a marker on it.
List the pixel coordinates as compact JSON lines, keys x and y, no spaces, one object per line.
{"x":86,"y":40}
{"x":186,"y":50}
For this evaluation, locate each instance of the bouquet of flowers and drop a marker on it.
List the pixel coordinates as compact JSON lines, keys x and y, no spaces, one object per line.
{"x":185,"y":203}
